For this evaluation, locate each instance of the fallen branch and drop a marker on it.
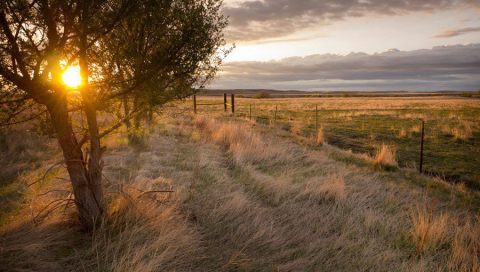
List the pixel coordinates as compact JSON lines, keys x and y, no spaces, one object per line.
{"x":44,"y":176}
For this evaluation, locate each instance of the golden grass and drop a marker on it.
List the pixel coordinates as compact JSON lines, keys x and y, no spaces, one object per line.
{"x":429,"y":231}
{"x":465,"y":246}
{"x":240,"y":140}
{"x":386,"y":156}
{"x":462,"y":130}
{"x":334,"y":189}
{"x":320,"y":139}
{"x":243,"y":201}
{"x":143,"y":235}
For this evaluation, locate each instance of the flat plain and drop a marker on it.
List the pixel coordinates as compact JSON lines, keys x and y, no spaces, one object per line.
{"x":363,"y":124}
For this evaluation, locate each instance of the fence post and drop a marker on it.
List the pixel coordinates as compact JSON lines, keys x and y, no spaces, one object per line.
{"x":316,"y":118}
{"x":275,"y":115}
{"x":421,"y":147}
{"x":233,"y":104}
{"x":250,"y":112}
{"x":225,"y":102}
{"x":195,"y":104}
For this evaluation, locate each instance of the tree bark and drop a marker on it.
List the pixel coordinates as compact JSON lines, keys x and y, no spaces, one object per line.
{"x":86,"y":187}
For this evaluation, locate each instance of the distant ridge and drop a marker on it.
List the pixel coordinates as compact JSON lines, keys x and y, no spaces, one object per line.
{"x":297,"y":93}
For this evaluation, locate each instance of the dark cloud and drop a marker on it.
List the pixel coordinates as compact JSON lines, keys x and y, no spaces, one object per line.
{"x":457,"y":32}
{"x":446,"y":67}
{"x":252,"y":20}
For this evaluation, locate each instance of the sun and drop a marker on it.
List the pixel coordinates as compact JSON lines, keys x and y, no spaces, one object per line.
{"x":71,"y":77}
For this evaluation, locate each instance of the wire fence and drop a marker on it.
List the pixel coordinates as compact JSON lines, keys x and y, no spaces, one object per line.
{"x":364,"y":131}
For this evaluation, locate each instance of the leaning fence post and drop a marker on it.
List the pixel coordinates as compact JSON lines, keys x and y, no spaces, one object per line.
{"x":195,"y":104}
{"x":233,"y":103}
{"x":421,"y":147}
{"x":225,"y":102}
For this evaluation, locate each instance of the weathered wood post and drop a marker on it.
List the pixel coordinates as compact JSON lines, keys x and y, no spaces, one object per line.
{"x":233,"y":104}
{"x":225,"y":102}
{"x":316,"y":118}
{"x":421,"y":147}
{"x":195,"y":104}
{"x":250,"y":112}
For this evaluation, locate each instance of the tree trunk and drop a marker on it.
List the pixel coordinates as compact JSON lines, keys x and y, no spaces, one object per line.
{"x":86,"y":187}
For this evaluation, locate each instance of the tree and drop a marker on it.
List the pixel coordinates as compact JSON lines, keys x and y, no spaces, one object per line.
{"x":145,"y":52}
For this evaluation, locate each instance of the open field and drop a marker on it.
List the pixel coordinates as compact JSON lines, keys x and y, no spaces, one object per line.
{"x":223,"y":194}
{"x":216,"y":192}
{"x":363,"y":124}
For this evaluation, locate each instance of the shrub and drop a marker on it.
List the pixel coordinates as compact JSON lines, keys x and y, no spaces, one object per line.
{"x":261,"y":95}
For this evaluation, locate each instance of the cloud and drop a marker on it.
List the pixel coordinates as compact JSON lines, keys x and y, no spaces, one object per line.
{"x":446,"y":67}
{"x":259,"y":19}
{"x":457,"y":32}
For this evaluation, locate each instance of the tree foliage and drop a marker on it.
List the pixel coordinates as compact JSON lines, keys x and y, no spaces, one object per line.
{"x":139,"y":53}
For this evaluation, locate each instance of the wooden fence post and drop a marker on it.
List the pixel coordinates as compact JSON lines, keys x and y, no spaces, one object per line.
{"x":250,"y":112}
{"x":421,"y":147}
{"x":233,"y":104}
{"x":316,"y":118}
{"x":225,"y":102}
{"x":195,"y":104}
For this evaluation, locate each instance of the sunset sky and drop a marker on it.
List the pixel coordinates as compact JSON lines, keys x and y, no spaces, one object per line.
{"x":353,"y":45}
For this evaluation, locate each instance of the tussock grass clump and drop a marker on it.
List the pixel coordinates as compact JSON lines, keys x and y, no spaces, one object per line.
{"x":429,"y":231}
{"x":416,"y":129}
{"x":402,"y":133}
{"x":386,"y":156}
{"x":462,"y":132}
{"x":320,"y":139}
{"x":333,"y":189}
{"x":296,"y":128}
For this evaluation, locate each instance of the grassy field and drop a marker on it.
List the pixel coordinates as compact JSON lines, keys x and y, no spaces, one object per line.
{"x":363,"y":124}
{"x":215,"y":193}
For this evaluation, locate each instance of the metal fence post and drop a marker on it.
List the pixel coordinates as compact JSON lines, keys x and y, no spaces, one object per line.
{"x":316,"y":118}
{"x":421,"y":147}
{"x":195,"y":104}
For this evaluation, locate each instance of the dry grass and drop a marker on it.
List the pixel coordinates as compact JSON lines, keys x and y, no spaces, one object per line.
{"x":416,"y":129}
{"x":144,"y":235}
{"x":429,"y":231}
{"x":334,"y":189}
{"x":296,"y":128}
{"x":246,"y":145}
{"x":465,"y":254}
{"x":244,"y":201}
{"x":402,"y":133}
{"x":320,"y":139}
{"x":463,"y":132}
{"x":386,"y":156}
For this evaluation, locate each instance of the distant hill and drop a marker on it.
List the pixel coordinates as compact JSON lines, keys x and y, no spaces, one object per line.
{"x":297,"y":93}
